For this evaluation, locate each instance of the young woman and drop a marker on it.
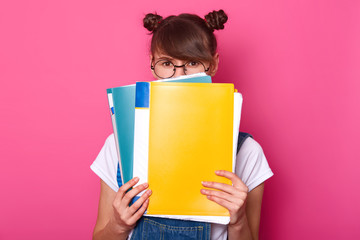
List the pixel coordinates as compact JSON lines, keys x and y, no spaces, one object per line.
{"x":183,"y":44}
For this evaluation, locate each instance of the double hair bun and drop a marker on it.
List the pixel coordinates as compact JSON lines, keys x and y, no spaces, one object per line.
{"x":214,"y":20}
{"x":151,"y":21}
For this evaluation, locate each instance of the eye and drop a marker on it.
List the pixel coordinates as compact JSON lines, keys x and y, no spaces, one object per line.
{"x":166,"y":64}
{"x":193,"y":64}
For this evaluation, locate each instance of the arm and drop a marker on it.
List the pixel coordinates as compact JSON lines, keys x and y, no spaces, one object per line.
{"x":115,"y":218}
{"x":244,"y":207}
{"x":253,"y":209}
{"x":250,"y":222}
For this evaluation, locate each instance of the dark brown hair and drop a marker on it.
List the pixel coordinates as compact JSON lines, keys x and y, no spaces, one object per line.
{"x":186,"y":36}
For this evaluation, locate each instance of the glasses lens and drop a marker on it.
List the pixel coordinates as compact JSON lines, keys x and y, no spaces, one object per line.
{"x":194,"y":67}
{"x":164,"y":69}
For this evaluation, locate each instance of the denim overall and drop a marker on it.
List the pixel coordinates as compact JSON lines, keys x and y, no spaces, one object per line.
{"x":163,"y":228}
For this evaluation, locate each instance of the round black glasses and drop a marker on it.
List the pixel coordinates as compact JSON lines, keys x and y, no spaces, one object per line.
{"x":166,"y":69}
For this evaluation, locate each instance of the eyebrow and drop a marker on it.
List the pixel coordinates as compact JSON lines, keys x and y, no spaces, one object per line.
{"x":166,"y":57}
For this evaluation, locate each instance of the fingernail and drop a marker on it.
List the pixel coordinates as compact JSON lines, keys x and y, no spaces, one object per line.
{"x":204,"y":183}
{"x":203,"y":191}
{"x":136,"y":179}
{"x":149,"y":191}
{"x":146,"y":185}
{"x":217,"y":172}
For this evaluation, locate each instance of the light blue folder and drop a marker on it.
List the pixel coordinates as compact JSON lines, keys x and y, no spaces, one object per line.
{"x":122,"y":109}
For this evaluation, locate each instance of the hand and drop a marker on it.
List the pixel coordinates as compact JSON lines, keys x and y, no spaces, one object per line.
{"x":230,"y":197}
{"x":125,"y":217}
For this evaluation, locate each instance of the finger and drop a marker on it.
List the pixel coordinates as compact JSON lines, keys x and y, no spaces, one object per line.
{"x":232,"y":207}
{"x":236,"y":181}
{"x":140,"y":211}
{"x":137,"y":204}
{"x":220,"y":186}
{"x":222,"y":195}
{"x":123,"y":189}
{"x":132,"y":193}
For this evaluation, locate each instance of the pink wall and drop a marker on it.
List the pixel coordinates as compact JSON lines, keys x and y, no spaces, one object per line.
{"x":297,"y":65}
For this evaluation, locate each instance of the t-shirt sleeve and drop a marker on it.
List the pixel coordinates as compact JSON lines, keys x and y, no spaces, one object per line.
{"x":105,"y":164}
{"x":251,"y":164}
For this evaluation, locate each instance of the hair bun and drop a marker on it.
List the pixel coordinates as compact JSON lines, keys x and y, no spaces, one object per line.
{"x":151,"y":21}
{"x":216,"y":19}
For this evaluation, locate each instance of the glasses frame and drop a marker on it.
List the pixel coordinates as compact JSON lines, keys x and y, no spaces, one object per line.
{"x":176,"y":66}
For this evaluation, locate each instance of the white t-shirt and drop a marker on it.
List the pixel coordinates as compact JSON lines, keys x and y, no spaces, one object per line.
{"x":251,"y":166}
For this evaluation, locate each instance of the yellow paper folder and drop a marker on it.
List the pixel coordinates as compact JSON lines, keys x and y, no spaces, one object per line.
{"x":190,"y":136}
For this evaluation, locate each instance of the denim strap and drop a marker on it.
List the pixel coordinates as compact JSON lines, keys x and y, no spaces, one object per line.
{"x":241,"y":139}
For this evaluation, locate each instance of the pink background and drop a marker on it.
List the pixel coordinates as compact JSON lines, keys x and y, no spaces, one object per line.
{"x":296,"y":63}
